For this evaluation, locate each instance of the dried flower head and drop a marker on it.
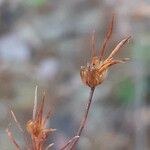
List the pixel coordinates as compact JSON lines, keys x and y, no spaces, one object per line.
{"x":95,"y":72}
{"x":37,"y":127}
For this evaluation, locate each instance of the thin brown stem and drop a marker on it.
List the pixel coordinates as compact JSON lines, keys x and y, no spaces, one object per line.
{"x":13,"y":140}
{"x":16,"y":121}
{"x":83,"y":122}
{"x":21,"y":130}
{"x":69,"y":142}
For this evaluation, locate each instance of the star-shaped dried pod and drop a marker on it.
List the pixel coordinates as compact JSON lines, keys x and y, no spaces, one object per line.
{"x":95,"y":72}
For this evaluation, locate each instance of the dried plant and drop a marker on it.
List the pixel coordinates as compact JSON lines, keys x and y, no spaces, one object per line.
{"x":92,"y":75}
{"x":95,"y":72}
{"x":36,"y":128}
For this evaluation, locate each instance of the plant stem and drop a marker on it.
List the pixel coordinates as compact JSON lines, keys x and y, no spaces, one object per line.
{"x":83,"y":122}
{"x":69,"y":142}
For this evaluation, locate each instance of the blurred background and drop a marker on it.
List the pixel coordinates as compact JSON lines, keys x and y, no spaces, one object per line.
{"x":44,"y":43}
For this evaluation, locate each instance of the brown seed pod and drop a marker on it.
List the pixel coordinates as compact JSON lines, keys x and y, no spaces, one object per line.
{"x":91,"y":74}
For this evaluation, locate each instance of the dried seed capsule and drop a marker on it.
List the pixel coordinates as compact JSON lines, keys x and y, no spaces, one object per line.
{"x":95,"y":72}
